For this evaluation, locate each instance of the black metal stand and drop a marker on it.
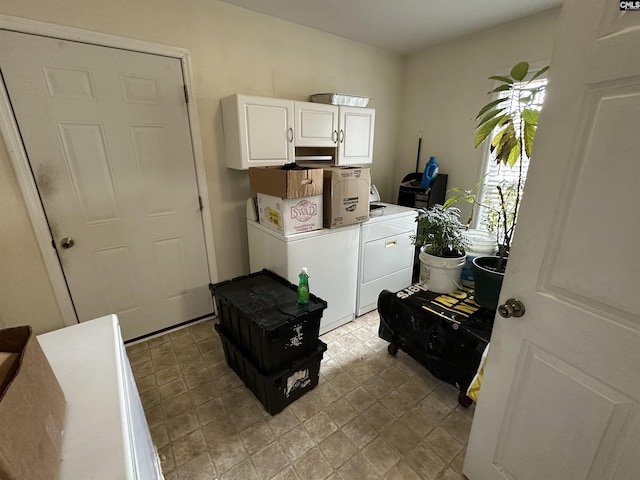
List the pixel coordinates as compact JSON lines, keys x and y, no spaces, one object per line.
{"x":411,"y":194}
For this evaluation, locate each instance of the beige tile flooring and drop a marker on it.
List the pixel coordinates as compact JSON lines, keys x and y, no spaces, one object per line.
{"x":372,"y":416}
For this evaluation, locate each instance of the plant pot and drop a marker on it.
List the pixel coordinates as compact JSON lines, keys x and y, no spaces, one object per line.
{"x":481,"y":243}
{"x":440,"y":274}
{"x":488,"y":282}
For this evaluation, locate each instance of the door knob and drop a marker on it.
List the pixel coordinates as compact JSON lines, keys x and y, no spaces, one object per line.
{"x":511,"y":308}
{"x":67,"y":242}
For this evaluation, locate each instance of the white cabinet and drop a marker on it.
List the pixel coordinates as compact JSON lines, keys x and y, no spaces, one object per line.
{"x":316,"y":125}
{"x":351,"y":129}
{"x":331,"y":255}
{"x":355,"y":136}
{"x":261,"y":131}
{"x":106,"y":435}
{"x":258,"y":131}
{"x":386,"y":255}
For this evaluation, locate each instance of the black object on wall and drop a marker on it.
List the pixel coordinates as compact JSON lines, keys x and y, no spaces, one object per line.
{"x":411,"y":194}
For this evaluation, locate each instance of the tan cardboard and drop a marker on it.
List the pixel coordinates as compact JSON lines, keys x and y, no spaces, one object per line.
{"x":290,"y":215}
{"x":7,"y":364}
{"x":346,"y":196}
{"x":32,"y":411}
{"x":281,"y":183}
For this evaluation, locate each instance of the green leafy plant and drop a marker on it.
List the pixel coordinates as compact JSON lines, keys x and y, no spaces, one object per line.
{"x":441,"y":232}
{"x":509,"y":123}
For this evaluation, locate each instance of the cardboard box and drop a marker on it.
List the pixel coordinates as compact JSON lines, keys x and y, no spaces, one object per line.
{"x":290,"y":215}
{"x":346,"y":196}
{"x":32,"y":409}
{"x":277,"y":182}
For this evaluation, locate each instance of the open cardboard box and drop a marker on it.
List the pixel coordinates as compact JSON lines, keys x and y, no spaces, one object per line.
{"x":279,"y":182}
{"x":32,"y":409}
{"x":289,"y":200}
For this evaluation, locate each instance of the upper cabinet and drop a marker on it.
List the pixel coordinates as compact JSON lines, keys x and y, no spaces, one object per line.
{"x":262,"y":131}
{"x":258,"y":131}
{"x":316,"y":125}
{"x":355,"y":137}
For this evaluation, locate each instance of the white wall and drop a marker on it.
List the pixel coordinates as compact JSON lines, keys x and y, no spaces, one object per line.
{"x":447,"y":85}
{"x":233,"y":51}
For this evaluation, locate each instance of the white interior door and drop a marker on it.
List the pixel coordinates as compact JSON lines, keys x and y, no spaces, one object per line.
{"x":561,"y":394}
{"x":107,"y":136}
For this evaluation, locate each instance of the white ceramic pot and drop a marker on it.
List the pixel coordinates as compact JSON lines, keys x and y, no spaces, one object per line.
{"x":480,"y":243}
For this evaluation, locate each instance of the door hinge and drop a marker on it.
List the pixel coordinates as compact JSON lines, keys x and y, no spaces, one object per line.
{"x":186,"y":94}
{"x":200,"y":203}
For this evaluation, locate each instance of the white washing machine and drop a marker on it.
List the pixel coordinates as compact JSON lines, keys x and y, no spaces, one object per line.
{"x":386,"y":253}
{"x":330,"y":255}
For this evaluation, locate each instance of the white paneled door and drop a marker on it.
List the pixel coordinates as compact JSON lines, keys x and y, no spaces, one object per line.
{"x":561,"y":394}
{"x":107,"y":135}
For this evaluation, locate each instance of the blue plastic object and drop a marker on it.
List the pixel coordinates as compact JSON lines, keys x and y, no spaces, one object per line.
{"x":430,"y":173}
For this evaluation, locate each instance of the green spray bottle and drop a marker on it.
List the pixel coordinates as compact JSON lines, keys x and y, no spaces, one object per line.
{"x":303,"y":287}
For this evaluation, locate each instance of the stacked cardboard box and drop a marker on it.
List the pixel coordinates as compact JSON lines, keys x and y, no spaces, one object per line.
{"x":298,"y":199}
{"x":289,"y":200}
{"x":346,"y":196}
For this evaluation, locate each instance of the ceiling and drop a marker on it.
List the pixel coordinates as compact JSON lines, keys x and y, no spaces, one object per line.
{"x":401,"y":26}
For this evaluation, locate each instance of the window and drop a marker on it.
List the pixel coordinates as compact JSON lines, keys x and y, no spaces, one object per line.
{"x":498,"y":174}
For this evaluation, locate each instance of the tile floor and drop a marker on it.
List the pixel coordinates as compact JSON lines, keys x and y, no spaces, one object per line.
{"x":372,"y":416}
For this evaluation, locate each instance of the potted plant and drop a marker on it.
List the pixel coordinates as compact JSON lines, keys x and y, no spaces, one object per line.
{"x":509,"y":123}
{"x":440,"y":235}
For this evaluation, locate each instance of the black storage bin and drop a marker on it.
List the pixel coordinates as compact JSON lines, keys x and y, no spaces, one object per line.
{"x":446,"y":333}
{"x":280,"y":389}
{"x":260,"y":313}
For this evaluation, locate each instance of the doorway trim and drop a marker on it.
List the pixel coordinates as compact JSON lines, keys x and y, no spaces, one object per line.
{"x":22,"y":169}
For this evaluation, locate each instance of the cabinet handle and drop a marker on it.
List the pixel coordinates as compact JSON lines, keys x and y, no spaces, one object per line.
{"x":390,"y":243}
{"x":334,"y":136}
{"x":290,"y":134}
{"x":341,"y":137}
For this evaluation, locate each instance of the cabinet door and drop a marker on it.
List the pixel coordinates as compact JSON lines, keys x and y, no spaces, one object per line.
{"x":258,"y":131}
{"x":316,"y":125}
{"x":355,"y":137}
